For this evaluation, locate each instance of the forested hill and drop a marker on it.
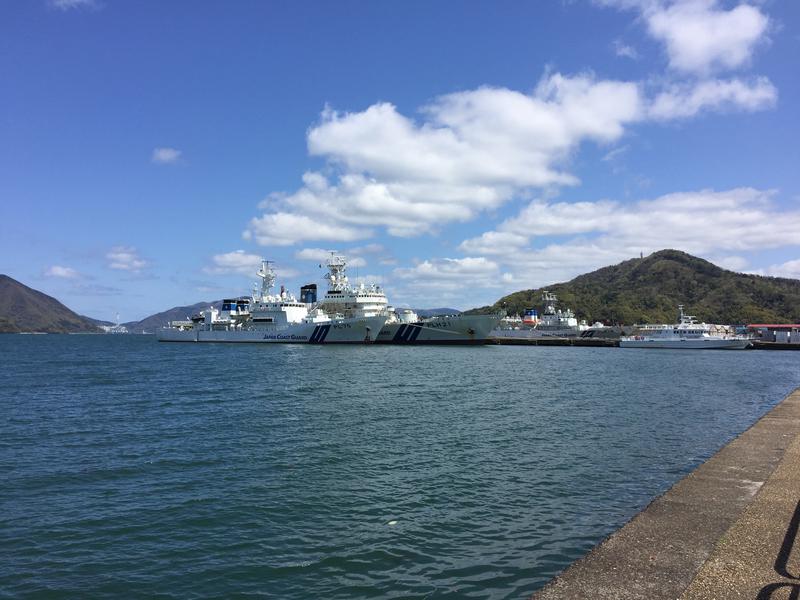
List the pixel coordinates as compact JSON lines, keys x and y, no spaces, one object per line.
{"x":648,"y":290}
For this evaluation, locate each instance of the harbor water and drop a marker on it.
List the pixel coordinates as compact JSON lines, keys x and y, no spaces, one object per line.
{"x":137,"y":469}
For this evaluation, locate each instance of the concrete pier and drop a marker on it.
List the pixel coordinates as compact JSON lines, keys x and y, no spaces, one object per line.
{"x":607,"y":343}
{"x":727,"y":530}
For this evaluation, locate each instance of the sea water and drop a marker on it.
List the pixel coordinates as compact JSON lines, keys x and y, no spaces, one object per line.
{"x":130,"y":468}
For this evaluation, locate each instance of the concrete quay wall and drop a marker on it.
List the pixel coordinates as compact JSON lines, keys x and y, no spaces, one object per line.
{"x":726,"y":530}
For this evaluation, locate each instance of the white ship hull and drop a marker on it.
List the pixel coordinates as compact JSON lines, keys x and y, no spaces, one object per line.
{"x":461,"y":329}
{"x":336,"y":331}
{"x":690,"y":344}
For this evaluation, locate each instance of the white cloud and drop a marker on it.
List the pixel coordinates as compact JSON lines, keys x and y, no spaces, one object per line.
{"x":237,"y":261}
{"x":66,"y":5}
{"x":732,"y":262}
{"x":701,"y":38}
{"x":62,"y":272}
{"x":166,"y":156}
{"x":680,"y":101}
{"x":321,"y":256}
{"x":472,"y":152}
{"x":314,"y":254}
{"x":451,"y":273}
{"x":454,"y":282}
{"x":790,"y":269}
{"x":623,"y":50}
{"x":125,"y":258}
{"x":494,"y":242}
{"x":741,"y":218}
{"x":285,"y":229}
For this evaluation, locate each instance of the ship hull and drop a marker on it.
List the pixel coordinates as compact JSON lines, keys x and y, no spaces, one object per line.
{"x":700,"y":344}
{"x":337,"y":331}
{"x":461,"y":329}
{"x":539,"y":333}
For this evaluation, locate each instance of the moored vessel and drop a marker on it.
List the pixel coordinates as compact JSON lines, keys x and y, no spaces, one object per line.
{"x":272,"y":318}
{"x":686,"y":334}
{"x":553,"y":322}
{"x":403,"y":326}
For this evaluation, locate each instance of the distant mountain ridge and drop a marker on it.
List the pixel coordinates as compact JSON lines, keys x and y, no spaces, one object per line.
{"x":176,"y":313}
{"x":24,"y":309}
{"x":649,"y":289}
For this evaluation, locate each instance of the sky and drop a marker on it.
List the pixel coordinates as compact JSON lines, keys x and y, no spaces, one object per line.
{"x":151,"y":153}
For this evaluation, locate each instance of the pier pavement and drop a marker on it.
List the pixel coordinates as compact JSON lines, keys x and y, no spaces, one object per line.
{"x":726,"y":531}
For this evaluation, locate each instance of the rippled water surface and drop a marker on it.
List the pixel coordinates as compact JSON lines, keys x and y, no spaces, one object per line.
{"x":131,"y":468}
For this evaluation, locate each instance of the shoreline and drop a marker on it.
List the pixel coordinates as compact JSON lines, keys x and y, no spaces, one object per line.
{"x":719,"y":532}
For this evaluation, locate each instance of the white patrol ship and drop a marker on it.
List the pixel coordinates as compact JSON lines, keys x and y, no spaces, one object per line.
{"x":686,"y":334}
{"x":402,"y":326}
{"x":272,"y":318}
{"x":553,"y":322}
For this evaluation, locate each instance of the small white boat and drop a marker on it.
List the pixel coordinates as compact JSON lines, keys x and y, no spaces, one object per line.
{"x":687,"y":334}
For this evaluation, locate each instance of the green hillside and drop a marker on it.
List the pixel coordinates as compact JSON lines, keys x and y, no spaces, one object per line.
{"x":648,"y":290}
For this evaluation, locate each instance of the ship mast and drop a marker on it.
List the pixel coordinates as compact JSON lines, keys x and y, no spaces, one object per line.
{"x":337,"y":273}
{"x":267,"y":275}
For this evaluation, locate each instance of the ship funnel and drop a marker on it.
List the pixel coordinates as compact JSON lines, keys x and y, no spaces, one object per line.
{"x":308,"y":293}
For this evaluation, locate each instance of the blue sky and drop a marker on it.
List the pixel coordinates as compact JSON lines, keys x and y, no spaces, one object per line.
{"x":151,"y":152}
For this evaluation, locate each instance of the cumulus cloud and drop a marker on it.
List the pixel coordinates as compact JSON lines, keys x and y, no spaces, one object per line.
{"x":61,"y":272}
{"x":166,"y":156}
{"x":472,"y":152}
{"x":741,"y":218}
{"x":700,"y":36}
{"x":237,"y":261}
{"x":680,"y":101}
{"x":125,"y":258}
